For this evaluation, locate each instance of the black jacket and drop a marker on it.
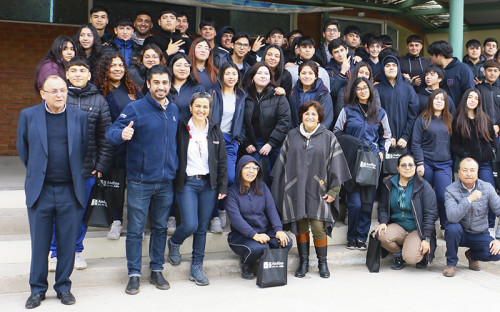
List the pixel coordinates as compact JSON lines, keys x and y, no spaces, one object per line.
{"x":423,"y":204}
{"x":274,"y":120}
{"x":99,"y":151}
{"x":162,"y":40}
{"x":490,"y":96}
{"x":217,"y":157}
{"x":475,"y":146}
{"x":415,"y":66}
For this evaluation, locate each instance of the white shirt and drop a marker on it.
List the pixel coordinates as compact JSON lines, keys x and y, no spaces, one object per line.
{"x":228,"y":109}
{"x":197,"y":153}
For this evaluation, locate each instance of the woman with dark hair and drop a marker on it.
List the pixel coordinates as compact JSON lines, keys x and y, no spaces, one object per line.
{"x":310,"y":88}
{"x":473,"y":136}
{"x":431,"y":147}
{"x":88,"y":44}
{"x":362,"y":69}
{"x":201,"y":54}
{"x":201,"y":180}
{"x":255,"y":223}
{"x":273,"y":56}
{"x":150,"y":56}
{"x":228,"y":108}
{"x":267,"y":117}
{"x":114,"y":81}
{"x":407,"y":214}
{"x":365,"y":120}
{"x":54,"y":63}
{"x":184,"y":85}
{"x":307,"y":178}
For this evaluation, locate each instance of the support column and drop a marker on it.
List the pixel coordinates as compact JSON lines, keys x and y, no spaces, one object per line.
{"x":324,"y":17}
{"x":457,"y":27}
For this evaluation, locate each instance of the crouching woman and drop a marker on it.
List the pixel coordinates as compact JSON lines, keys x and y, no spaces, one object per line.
{"x":255,"y":223}
{"x":407,"y":212}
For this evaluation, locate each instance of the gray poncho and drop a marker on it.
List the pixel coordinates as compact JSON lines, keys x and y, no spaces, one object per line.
{"x":304,"y":172}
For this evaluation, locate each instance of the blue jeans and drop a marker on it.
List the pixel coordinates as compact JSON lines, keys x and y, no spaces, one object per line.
{"x":479,"y":244}
{"x":196,"y":203}
{"x":486,"y":174}
{"x":82,"y":231}
{"x":251,"y":250}
{"x":438,"y":174}
{"x":359,"y":216}
{"x":141,"y":197}
{"x":267,"y":162}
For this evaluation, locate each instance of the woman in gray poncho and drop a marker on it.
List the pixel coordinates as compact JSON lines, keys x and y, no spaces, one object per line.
{"x":307,"y":177}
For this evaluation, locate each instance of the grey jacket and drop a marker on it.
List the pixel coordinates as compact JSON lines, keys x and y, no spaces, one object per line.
{"x":472,"y":216}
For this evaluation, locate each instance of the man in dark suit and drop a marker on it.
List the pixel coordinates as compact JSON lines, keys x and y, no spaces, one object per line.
{"x":52,"y":141}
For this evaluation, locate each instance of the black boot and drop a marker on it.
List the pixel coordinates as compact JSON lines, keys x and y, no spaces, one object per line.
{"x":321,"y":249}
{"x":303,"y":248}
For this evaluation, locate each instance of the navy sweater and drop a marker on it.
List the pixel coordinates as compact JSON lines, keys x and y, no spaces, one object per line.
{"x":58,"y":167}
{"x":458,"y":78}
{"x":431,"y":143}
{"x":183,"y":98}
{"x":249,"y":213}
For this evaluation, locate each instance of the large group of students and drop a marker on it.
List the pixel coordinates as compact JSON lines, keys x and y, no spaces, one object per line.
{"x":264,"y":133}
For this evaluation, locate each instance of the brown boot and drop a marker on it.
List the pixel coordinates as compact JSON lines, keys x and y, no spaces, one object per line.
{"x":449,"y":271}
{"x":473,"y":264}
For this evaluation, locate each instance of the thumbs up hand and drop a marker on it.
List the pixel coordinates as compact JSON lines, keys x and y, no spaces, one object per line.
{"x":128,"y":132}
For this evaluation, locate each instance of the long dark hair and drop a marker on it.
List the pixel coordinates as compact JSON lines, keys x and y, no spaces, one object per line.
{"x":210,"y":68}
{"x":102,"y":79}
{"x":352,"y":100}
{"x":354,"y":75}
{"x":314,"y":67}
{"x":278,"y":73}
{"x":249,"y":79}
{"x":482,"y":121}
{"x":54,"y":55}
{"x":95,"y":54}
{"x":222,"y":71}
{"x":429,"y":112}
{"x":174,"y":59}
{"x":255,"y":185}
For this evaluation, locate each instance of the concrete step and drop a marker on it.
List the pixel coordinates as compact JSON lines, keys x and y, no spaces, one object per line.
{"x":12,"y":199}
{"x":112,"y":271}
{"x":97,"y":246}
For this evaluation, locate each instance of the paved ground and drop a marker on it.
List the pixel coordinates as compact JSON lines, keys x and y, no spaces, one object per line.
{"x":12,"y":173}
{"x":348,"y":289}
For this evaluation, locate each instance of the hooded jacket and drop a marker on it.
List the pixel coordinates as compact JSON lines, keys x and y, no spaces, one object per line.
{"x":477,"y":69}
{"x":250,"y":213}
{"x":217,"y":157}
{"x":274,"y":118}
{"x":400,"y":102}
{"x":99,"y":152}
{"x":415,"y":66}
{"x":423,"y":204}
{"x":318,"y":93}
{"x":152,"y":151}
{"x":237,"y":125}
{"x":218,"y":49}
{"x":458,"y":77}
{"x":162,"y":40}
{"x":490,"y":98}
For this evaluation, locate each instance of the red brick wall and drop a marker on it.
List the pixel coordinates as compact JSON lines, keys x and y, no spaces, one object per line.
{"x":22,"y":46}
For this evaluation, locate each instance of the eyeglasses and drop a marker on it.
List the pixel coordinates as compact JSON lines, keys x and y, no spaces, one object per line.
{"x":331,"y":30}
{"x":241,"y":45}
{"x":407,"y":166}
{"x":251,"y":168}
{"x":56,"y":92}
{"x":365,"y":88}
{"x":203,"y":48}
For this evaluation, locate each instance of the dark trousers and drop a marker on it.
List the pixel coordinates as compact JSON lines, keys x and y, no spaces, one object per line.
{"x":479,"y":244}
{"x":486,"y":174}
{"x":56,"y":203}
{"x":359,"y":215}
{"x":438,"y":174}
{"x":250,"y":249}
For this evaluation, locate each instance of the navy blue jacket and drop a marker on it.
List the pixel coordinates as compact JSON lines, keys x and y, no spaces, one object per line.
{"x":431,"y":143}
{"x":401,"y":104}
{"x":477,"y":69}
{"x":337,"y":80}
{"x":319,"y":93}
{"x":152,"y":151}
{"x":32,"y":148}
{"x":377,"y":69}
{"x":183,"y":98}
{"x":237,"y":126}
{"x":423,"y":97}
{"x":458,"y":78}
{"x":249,"y":213}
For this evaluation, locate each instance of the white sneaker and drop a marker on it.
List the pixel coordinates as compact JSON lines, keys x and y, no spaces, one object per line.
{"x":116,"y":230}
{"x":215,"y":225}
{"x":52,"y":264}
{"x":171,"y":225}
{"x":492,"y":232}
{"x":223,"y":218}
{"x":80,"y":263}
